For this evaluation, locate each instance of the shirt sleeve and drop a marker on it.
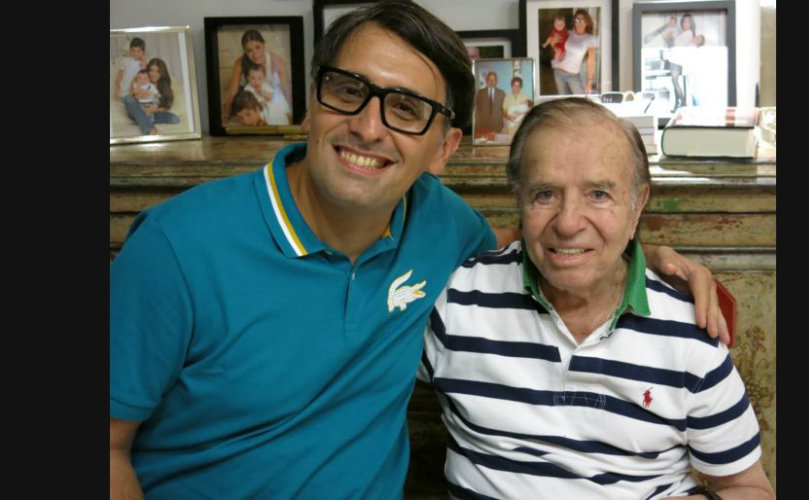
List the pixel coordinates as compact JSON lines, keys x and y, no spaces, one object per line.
{"x":434,"y":338}
{"x":150,"y":321}
{"x":723,"y":432}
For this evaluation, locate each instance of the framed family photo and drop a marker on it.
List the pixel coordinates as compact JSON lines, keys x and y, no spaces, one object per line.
{"x":684,"y":54}
{"x":575,"y":44}
{"x":504,"y":93}
{"x":326,"y":11}
{"x":255,"y":74}
{"x":153,"y":86}
{"x":493,"y":44}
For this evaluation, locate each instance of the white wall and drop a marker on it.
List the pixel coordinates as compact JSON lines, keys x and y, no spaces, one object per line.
{"x":460,"y":15}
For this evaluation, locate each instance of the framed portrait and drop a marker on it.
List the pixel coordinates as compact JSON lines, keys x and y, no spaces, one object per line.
{"x":326,"y":11}
{"x":493,"y":44}
{"x":153,"y":86}
{"x":575,"y":44}
{"x":684,"y":54}
{"x":255,"y":73}
{"x":504,"y":93}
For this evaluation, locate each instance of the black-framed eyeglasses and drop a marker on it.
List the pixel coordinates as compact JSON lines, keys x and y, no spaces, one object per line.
{"x":402,"y":110}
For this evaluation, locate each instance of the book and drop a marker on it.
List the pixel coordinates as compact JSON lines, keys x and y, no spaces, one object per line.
{"x":711,"y":133}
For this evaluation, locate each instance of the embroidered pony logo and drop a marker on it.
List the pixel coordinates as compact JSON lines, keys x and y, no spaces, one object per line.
{"x":399,"y":294}
{"x":647,"y":397}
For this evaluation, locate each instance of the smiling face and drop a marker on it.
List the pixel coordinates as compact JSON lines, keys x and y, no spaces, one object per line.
{"x":516,"y":87}
{"x":580,"y":23}
{"x":255,"y":51}
{"x":256,"y":77}
{"x":142,"y":79}
{"x":355,"y":163}
{"x":559,"y":23}
{"x":154,"y":73}
{"x":577,"y":206}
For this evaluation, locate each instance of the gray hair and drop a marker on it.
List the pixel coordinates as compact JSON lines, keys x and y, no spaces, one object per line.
{"x":569,"y":113}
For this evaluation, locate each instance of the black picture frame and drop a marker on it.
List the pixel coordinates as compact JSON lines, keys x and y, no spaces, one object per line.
{"x":322,"y":16}
{"x":718,"y":52}
{"x":515,"y":39}
{"x":610,"y":36}
{"x":219,"y":61}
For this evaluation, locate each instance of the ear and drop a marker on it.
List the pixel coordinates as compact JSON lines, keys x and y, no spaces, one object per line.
{"x":305,"y":125}
{"x":449,"y":144}
{"x":641,"y":204}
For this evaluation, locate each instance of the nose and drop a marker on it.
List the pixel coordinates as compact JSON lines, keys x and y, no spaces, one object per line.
{"x":571,"y":218}
{"x":367,"y":124}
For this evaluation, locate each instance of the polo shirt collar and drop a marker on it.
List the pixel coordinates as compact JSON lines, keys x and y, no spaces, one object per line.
{"x":634,"y":288}
{"x":286,"y":222}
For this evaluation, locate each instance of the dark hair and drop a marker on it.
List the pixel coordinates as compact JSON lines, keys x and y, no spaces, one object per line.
{"x":163,"y":83}
{"x":137,"y":42}
{"x":244,"y":100}
{"x":693,"y":24}
{"x":251,"y":35}
{"x":588,"y":25}
{"x":424,"y":32}
{"x":249,"y":66}
{"x":569,"y":113}
{"x":516,"y":79}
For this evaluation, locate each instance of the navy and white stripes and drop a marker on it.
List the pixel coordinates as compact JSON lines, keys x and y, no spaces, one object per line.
{"x":532,"y":414}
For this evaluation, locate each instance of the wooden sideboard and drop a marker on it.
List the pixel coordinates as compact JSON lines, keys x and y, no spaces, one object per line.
{"x":720,"y":213}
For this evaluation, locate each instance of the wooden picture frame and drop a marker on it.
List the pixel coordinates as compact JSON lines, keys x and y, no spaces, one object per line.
{"x":165,"y":106}
{"x":673,"y":66}
{"x":537,"y":20}
{"x":498,"y":111}
{"x":275,"y":105}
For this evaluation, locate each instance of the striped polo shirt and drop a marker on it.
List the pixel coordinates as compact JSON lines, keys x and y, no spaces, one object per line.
{"x":533,"y":414}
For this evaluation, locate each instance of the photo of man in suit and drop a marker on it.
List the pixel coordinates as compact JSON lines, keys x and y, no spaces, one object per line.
{"x":489,"y":107}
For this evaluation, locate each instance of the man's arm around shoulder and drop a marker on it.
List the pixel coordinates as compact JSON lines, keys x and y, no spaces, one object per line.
{"x":124,"y":483}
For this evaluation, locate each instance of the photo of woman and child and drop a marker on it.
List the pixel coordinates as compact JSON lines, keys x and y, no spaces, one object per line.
{"x":258,"y":89}
{"x":569,"y":56}
{"x":144,"y":101}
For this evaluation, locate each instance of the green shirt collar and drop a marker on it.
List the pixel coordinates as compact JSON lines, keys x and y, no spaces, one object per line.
{"x":634,"y":289}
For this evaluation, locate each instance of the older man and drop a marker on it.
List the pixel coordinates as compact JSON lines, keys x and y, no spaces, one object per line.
{"x":265,"y":329}
{"x":489,"y":107}
{"x":564,"y":368}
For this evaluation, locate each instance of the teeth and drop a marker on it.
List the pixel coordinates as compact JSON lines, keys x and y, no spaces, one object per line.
{"x":362,"y":161}
{"x":569,"y":251}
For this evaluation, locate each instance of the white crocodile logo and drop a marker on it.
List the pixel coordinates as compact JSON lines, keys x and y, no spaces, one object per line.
{"x":401,"y":296}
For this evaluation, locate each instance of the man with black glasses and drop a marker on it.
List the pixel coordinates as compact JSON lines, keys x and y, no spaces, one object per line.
{"x":266,"y":328}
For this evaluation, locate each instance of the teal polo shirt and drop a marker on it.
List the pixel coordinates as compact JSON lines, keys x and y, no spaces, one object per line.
{"x":261,"y":362}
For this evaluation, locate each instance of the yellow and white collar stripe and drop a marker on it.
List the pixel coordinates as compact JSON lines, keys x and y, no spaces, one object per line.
{"x":280,"y":213}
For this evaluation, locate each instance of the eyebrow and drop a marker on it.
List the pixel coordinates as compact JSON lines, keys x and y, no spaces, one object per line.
{"x":543,"y":185}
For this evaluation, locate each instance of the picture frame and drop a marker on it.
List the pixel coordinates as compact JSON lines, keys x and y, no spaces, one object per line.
{"x":537,"y":21}
{"x":500,"y":104}
{"x":326,"y":11}
{"x":244,"y":98}
{"x":673,"y":67}
{"x":493,"y":44}
{"x":166,"y":104}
